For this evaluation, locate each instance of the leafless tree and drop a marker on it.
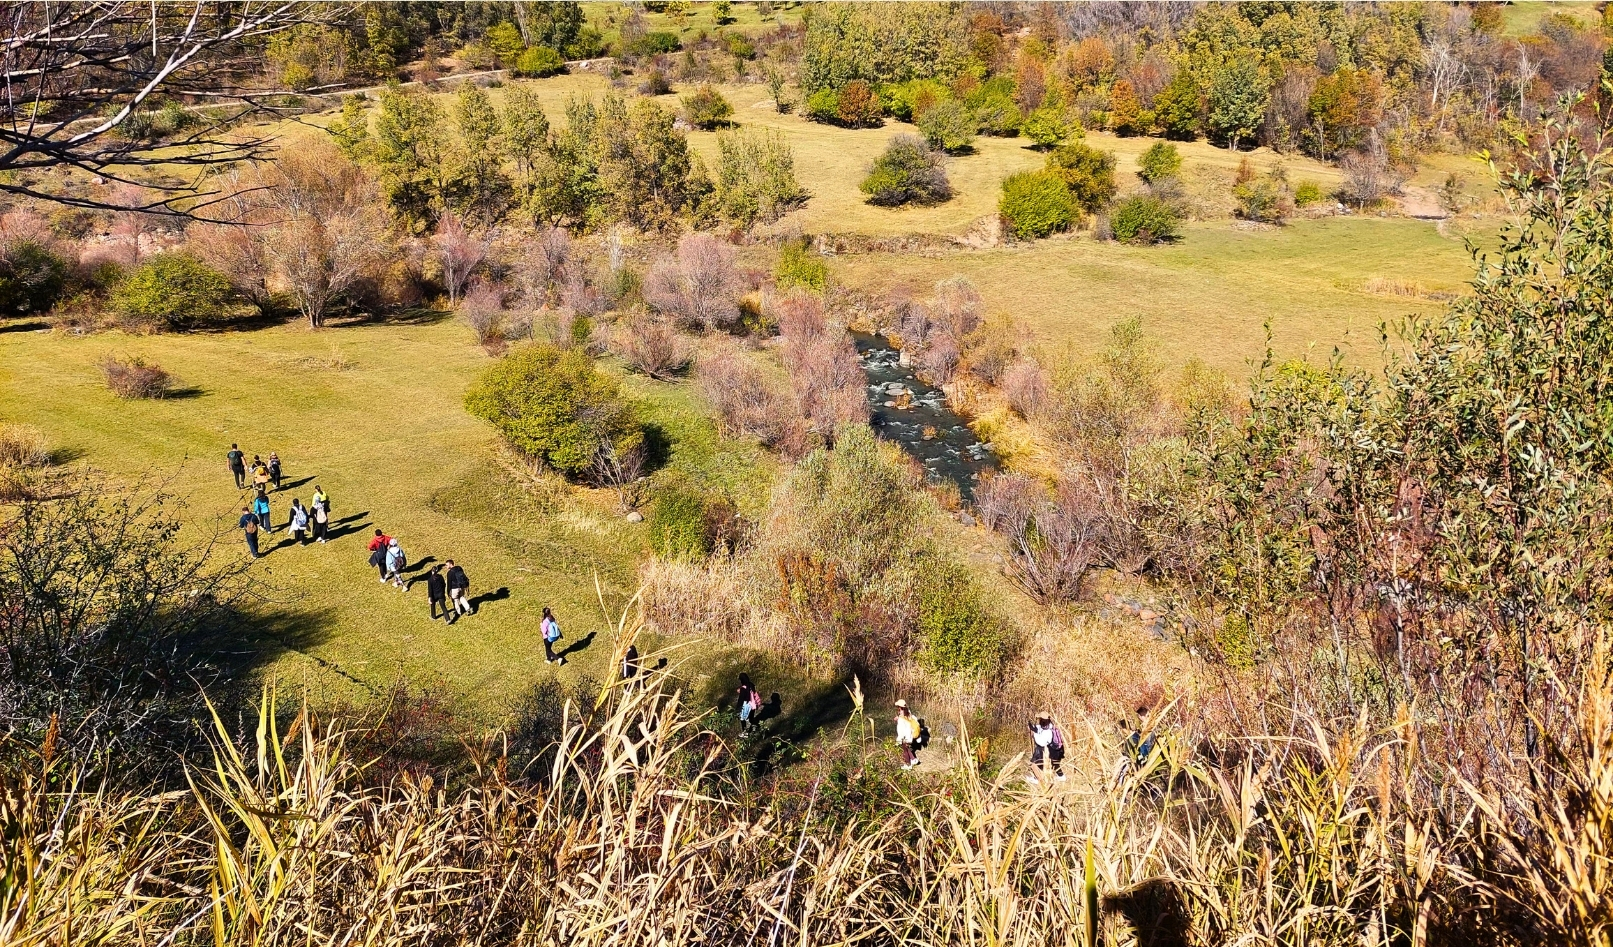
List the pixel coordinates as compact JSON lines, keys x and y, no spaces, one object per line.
{"x":482,"y":308}
{"x":1025,"y":385}
{"x":545,"y":267}
{"x":701,"y":285}
{"x":82,"y":80}
{"x":459,"y":252}
{"x":322,"y":226}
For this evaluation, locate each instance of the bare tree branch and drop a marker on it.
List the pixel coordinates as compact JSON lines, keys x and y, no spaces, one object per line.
{"x":77,"y":75}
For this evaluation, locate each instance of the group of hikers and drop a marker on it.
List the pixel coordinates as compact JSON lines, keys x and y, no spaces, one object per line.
{"x":305,"y":523}
{"x":1047,"y":741}
{"x":448,"y":596}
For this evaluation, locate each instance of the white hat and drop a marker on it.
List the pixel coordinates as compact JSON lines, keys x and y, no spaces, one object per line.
{"x":902,"y":704}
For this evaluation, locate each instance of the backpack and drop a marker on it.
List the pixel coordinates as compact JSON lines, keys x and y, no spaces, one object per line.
{"x":1058,"y":738}
{"x":378,"y":556}
{"x":755,"y":700}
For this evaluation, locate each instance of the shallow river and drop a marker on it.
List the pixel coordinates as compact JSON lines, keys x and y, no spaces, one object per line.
{"x":915,"y":415}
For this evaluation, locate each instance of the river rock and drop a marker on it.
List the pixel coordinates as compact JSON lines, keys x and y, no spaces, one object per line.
{"x":966,"y":519}
{"x":635,"y":517}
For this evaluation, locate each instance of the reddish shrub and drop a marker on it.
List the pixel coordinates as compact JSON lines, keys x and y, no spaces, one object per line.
{"x":701,"y":286}
{"x":135,"y":377}
{"x":650,"y":345}
{"x":749,"y":403}
{"x":1025,"y":385}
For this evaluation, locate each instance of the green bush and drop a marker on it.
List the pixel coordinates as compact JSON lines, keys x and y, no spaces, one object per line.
{"x":996,"y":113}
{"x":1308,"y":192}
{"x":539,"y":62}
{"x":706,"y":108}
{"x":948,"y":126}
{"x":1144,"y":219}
{"x":907,"y":172}
{"x":1050,"y":127}
{"x":1037,"y":203}
{"x":823,"y":106}
{"x":31,"y":278}
{"x":798,"y":266}
{"x":554,"y":406}
{"x":173,"y":290}
{"x":958,"y":633}
{"x":1159,"y":162}
{"x":1265,"y":199}
{"x":1086,"y":171}
{"x":756,"y":180}
{"x":651,"y":44}
{"x":679,"y":523}
{"x":910,"y":99}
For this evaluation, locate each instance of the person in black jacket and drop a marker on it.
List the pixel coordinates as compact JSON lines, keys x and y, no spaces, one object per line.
{"x":458,"y":588}
{"x":437,"y":591}
{"x":237,"y":465}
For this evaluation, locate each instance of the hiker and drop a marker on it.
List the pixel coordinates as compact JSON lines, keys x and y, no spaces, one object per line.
{"x":274,"y":469}
{"x":378,"y":546}
{"x":1048,"y":747}
{"x":459,"y":589}
{"x":395,"y":561}
{"x":907,"y":735}
{"x":299,"y":522}
{"x":1139,"y":742}
{"x":237,"y":465}
{"x":630,"y":666}
{"x":260,"y":473}
{"x":321,"y":519}
{"x":551,"y":634}
{"x":321,"y":498}
{"x":750,"y":702}
{"x":249,"y":527}
{"x":437,"y":592}
{"x":260,"y":506}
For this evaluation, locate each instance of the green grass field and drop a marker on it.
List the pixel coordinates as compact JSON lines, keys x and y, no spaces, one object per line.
{"x":386,"y":434}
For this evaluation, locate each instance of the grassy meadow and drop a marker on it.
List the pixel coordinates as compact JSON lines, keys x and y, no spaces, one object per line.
{"x":374,"y":412}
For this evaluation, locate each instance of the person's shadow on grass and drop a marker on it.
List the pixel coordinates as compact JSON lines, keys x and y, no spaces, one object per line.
{"x":771,"y":709}
{"x":345,"y":527}
{"x":497,"y":595}
{"x":581,"y":644}
{"x":415,"y":567}
{"x":294,"y":484}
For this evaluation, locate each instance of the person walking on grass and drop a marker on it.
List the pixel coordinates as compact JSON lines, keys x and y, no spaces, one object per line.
{"x":320,"y":515}
{"x":260,"y":506}
{"x":260,"y":473}
{"x":378,"y":546}
{"x":1047,"y":748}
{"x":907,"y":735}
{"x":299,"y":522}
{"x":437,"y":593}
{"x":274,"y":469}
{"x":750,"y":702}
{"x":237,"y":465}
{"x":249,"y":528}
{"x":459,"y":590}
{"x":630,"y":667}
{"x":551,"y":634}
{"x":395,"y":562}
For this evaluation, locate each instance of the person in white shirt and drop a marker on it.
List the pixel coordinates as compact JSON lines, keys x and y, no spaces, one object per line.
{"x":1047,"y":751}
{"x":907,"y":733}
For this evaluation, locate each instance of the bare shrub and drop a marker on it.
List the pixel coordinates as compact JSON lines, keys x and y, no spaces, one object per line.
{"x":460,"y":253}
{"x":650,"y":345}
{"x":547,"y":267}
{"x":1053,"y":539}
{"x":236,"y":248}
{"x":701,"y":285}
{"x":749,"y":403}
{"x":822,"y":361}
{"x":134,"y":377}
{"x":579,"y":292}
{"x":23,"y":447}
{"x":622,"y":470}
{"x":1025,"y":385}
{"x":482,"y":308}
{"x":934,"y":333}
